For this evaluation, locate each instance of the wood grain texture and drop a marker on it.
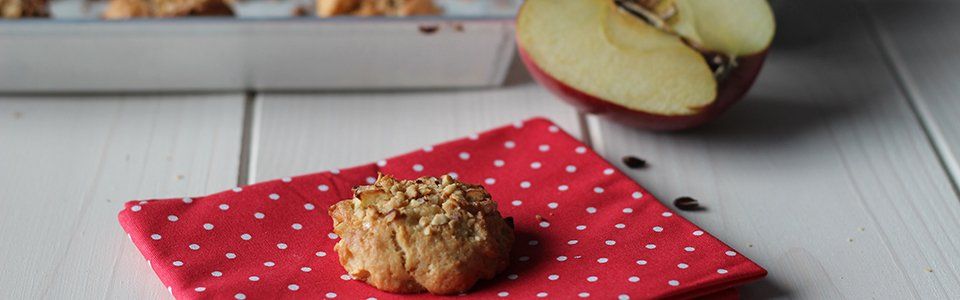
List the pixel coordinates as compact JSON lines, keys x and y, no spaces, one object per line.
{"x":304,"y":133}
{"x":67,"y":164}
{"x":921,"y":40}
{"x":823,"y":175}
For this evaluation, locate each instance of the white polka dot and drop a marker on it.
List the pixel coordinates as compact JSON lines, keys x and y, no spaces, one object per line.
{"x":673,"y":283}
{"x":518,"y":124}
{"x":208,"y":226}
{"x":697,"y":232}
{"x":633,"y":279}
{"x":641,"y":262}
{"x":269,"y":263}
{"x":464,"y":155}
{"x":498,"y":163}
{"x":136,"y":208}
{"x":329,"y":295}
{"x":651,"y":246}
{"x":297,"y":226}
{"x":254,"y":278}
{"x":381,"y":163}
{"x":332,"y":236}
{"x":657,"y":229}
{"x":581,"y":150}
{"x":610,"y":242}
{"x":592,"y":278}
{"x":240,"y":296}
{"x":523,"y":258}
{"x":216,"y":273}
{"x":259,"y":215}
{"x":542,"y":295}
{"x":371,"y":180}
{"x":143,"y":202}
{"x":473,"y":137}
{"x":607,"y":171}
{"x":628,"y":210}
{"x":598,"y":190}
{"x":286,"y":179}
{"x":535,"y":165}
{"x":294,"y":287}
{"x":620,"y":226}
{"x":281,"y":246}
{"x":553,"y":128}
{"x":199,"y":289}
{"x":323,"y":187}
{"x":544,"y":148}
{"x":583,"y":295}
{"x":581,"y":227}
{"x":553,"y":277}
{"x":231,"y":255}
{"x":155,"y":237}
{"x":335,"y":171}
{"x":306,"y":269}
{"x":489,"y":181}
{"x":721,"y":271}
{"x":591,"y":210}
{"x":428,"y":149}
{"x":636,"y":195}
{"x":309,"y":206}
{"x":454,"y":175}
{"x":552,"y":205}
{"x":516,"y":202}
{"x":561,"y":258}
{"x":544,"y":224}
{"x":689,"y":249}
{"x":563,"y":187}
{"x":194,"y":247}
{"x":533,"y":242}
{"x":525,"y":185}
{"x":237,"y":189}
{"x":503,"y":294}
{"x":346,"y":277}
{"x":177,"y":263}
{"x":274,"y":196}
{"x":245,"y":236}
{"x":513,"y":276}
{"x":509,"y":144}
{"x":224,"y":206}
{"x":417,"y":168}
{"x":730,"y":253}
{"x":683,"y":266}
{"x":572,"y":242}
{"x":571,"y":169}
{"x":603,"y":260}
{"x":321,"y":254}
{"x":623,"y":297}
{"x":187,"y":200}
{"x":667,"y":214}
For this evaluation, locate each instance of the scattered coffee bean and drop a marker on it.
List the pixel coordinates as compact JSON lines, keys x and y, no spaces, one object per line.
{"x":429,"y":29}
{"x":540,"y":218}
{"x":633,"y":162}
{"x":686,"y":203}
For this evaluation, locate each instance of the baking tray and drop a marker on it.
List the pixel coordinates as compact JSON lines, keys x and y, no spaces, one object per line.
{"x":262,"y":48}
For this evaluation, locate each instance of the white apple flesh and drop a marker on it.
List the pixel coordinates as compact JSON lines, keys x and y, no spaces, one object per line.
{"x":607,"y":61}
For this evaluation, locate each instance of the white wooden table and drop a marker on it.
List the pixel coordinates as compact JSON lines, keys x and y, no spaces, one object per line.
{"x":838,"y":173}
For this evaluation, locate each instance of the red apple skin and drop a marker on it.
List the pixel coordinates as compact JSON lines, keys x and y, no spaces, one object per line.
{"x":729,"y":91}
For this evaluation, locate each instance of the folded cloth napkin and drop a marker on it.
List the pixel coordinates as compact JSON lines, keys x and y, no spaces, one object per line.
{"x":583,"y":228}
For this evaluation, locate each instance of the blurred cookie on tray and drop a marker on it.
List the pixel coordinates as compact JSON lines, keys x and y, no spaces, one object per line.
{"x":365,"y":8}
{"x":16,"y":9}
{"x":129,"y":9}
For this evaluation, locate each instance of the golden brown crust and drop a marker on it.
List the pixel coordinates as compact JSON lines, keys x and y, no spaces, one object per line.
{"x":15,"y":9}
{"x":126,"y":9}
{"x":429,"y":234}
{"x":329,"y":8}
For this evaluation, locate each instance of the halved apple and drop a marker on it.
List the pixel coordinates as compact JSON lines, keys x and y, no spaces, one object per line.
{"x":657,"y":64}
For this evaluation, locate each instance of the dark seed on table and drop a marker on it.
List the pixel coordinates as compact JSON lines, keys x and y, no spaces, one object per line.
{"x":686,"y":203}
{"x":633,"y":162}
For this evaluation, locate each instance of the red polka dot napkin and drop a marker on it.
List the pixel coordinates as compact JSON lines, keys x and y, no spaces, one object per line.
{"x":598,"y":235}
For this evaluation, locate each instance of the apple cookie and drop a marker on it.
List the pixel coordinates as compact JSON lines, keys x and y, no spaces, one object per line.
{"x":330,"y":8}
{"x":429,"y":234}
{"x":128,"y":9}
{"x":15,"y":9}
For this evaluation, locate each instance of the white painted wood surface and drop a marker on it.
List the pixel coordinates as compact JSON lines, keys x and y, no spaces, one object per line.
{"x":67,"y":164}
{"x":823,"y":175}
{"x":305,"y":133}
{"x":921,"y":40}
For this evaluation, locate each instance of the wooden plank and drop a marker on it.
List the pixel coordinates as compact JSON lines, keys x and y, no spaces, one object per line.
{"x":921,"y":39}
{"x":302,"y":133}
{"x":67,"y":164}
{"x":822,"y":175}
